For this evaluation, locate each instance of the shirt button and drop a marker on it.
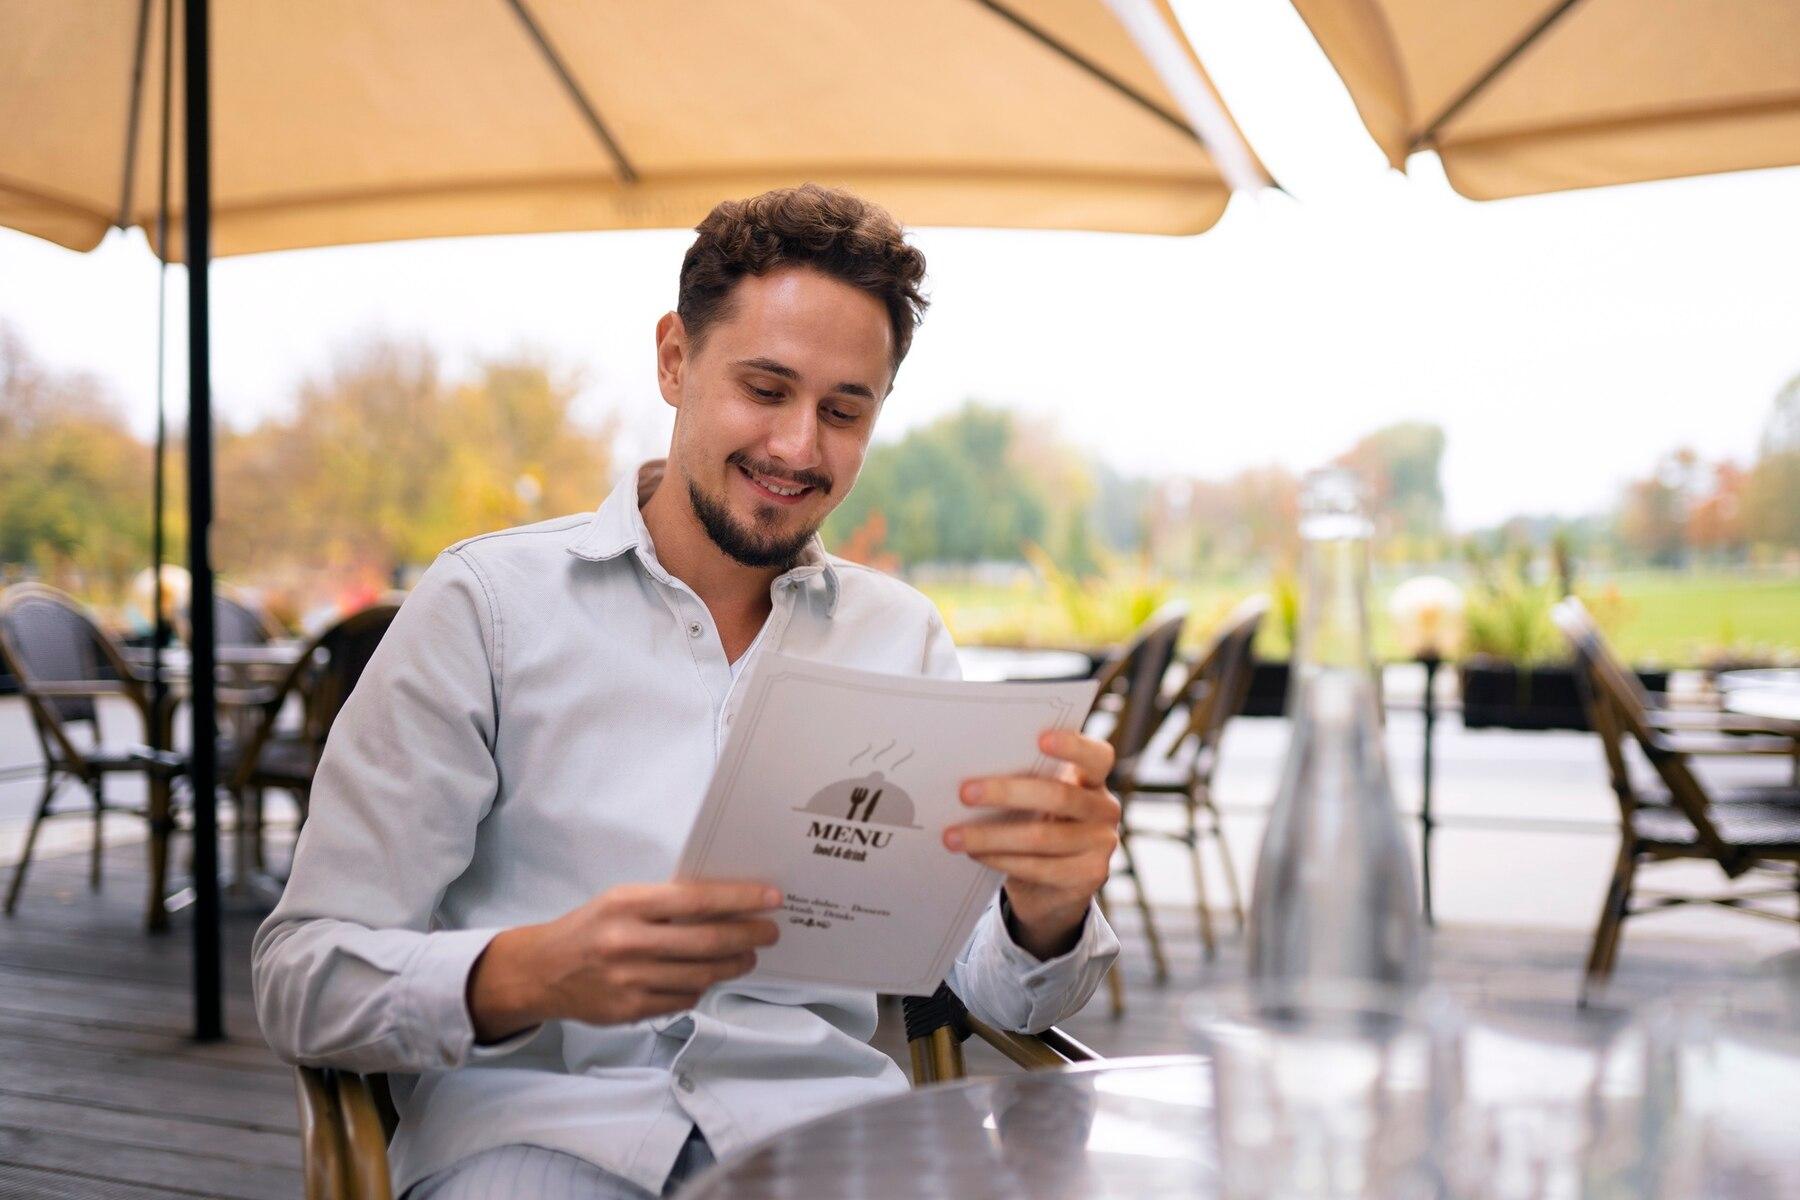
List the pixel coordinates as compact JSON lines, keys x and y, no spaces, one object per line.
{"x":694,"y":629}
{"x":685,"y":1082}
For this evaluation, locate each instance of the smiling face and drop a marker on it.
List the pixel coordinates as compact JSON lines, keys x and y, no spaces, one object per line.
{"x":774,"y":408}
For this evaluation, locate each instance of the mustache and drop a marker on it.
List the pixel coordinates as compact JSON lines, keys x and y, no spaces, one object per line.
{"x":811,"y":479}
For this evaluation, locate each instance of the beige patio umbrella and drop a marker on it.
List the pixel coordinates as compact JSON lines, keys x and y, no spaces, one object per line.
{"x":336,"y":121}
{"x":341,"y":121}
{"x":1526,"y":96}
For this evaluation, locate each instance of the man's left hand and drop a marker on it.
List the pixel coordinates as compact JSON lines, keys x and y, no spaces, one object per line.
{"x":1056,"y":852}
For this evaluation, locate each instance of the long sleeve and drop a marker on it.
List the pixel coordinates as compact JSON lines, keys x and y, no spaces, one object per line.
{"x":1001,"y":982}
{"x":348,"y":971}
{"x":1008,"y":987}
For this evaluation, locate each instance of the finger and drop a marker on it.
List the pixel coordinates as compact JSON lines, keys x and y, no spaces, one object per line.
{"x":1075,"y":873}
{"x":1044,"y":838}
{"x":690,"y":900}
{"x":686,"y":976}
{"x":1091,"y":757}
{"x":696,"y":942}
{"x":1049,"y":797}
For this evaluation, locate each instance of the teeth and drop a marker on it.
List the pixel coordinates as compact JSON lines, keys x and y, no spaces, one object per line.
{"x":777,"y":488}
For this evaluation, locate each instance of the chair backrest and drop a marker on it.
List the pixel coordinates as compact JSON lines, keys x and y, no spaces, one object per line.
{"x":334,"y":663}
{"x":1131,"y":682}
{"x":1219,"y":681}
{"x":47,"y":637}
{"x":235,"y":623}
{"x":1616,"y":707}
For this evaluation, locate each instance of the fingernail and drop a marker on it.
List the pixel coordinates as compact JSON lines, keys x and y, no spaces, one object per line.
{"x":972,"y":793}
{"x":772,"y":899}
{"x":953,"y":838}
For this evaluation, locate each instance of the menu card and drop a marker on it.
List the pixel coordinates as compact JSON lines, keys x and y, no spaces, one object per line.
{"x":836,"y":785}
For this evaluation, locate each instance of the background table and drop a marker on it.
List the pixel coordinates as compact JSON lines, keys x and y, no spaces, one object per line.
{"x":1773,"y":694}
{"x":1128,"y":1128}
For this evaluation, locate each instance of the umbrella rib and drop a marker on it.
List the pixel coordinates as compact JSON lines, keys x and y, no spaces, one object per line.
{"x":588,"y":111}
{"x":129,"y":172}
{"x":1093,"y":68}
{"x":1430,"y":132}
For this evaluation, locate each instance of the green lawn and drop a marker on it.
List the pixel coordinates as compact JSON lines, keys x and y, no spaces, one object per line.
{"x":1672,"y":618}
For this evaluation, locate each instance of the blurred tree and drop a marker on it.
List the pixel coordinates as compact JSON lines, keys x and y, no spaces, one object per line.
{"x":1771,"y":499}
{"x":1653,"y":512}
{"x":74,"y":481}
{"x":949,"y":492}
{"x":1402,"y":465}
{"x":381,"y":463}
{"x":1715,"y":519}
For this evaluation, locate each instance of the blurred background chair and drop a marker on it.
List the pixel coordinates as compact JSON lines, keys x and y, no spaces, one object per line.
{"x":273,"y":754}
{"x":237,"y":621}
{"x":1128,"y":708}
{"x":1178,"y":762}
{"x":1747,"y":831}
{"x":64,"y":662}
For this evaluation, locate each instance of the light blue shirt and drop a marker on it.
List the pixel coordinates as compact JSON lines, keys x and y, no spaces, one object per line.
{"x":539,"y":725}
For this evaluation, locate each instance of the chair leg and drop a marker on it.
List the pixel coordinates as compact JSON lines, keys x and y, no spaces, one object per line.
{"x":37,"y":820}
{"x":1115,"y":982}
{"x":1143,"y":902}
{"x":99,"y":832}
{"x":162,"y":823}
{"x":1612,"y":922}
{"x":1201,"y":909}
{"x":257,"y":850}
{"x":1225,"y":864}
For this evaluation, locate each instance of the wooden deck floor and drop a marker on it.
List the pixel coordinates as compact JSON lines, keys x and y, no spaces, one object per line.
{"x":104,"y":1094}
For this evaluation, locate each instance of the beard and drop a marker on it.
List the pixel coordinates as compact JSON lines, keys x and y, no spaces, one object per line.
{"x":751,"y":545}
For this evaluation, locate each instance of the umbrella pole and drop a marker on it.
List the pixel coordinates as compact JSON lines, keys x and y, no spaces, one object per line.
{"x":209,"y":1017}
{"x":159,"y":621}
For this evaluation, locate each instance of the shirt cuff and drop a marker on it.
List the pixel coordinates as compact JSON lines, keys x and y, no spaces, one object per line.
{"x":1027,"y":967}
{"x":436,"y":987}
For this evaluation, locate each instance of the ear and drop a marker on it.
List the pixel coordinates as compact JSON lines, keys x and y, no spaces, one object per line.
{"x":671,"y":357}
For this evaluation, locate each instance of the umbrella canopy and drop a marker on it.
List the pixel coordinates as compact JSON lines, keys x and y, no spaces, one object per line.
{"x":342,"y":121}
{"x":1525,"y":96}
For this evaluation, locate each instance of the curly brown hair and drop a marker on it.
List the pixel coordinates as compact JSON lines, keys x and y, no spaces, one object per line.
{"x":827,"y":229}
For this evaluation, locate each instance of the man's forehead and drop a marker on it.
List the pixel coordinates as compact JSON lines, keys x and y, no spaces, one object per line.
{"x":822,"y":330}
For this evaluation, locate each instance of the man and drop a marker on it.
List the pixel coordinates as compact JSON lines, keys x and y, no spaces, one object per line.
{"x":478,"y":902}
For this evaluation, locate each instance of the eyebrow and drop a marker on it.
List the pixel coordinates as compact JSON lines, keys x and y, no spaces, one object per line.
{"x":772,"y":367}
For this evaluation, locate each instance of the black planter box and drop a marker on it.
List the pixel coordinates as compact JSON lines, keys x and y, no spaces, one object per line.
{"x":1268,"y":689}
{"x":1497,"y":695}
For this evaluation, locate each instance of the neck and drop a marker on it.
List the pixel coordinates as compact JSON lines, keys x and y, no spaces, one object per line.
{"x":731,"y":590}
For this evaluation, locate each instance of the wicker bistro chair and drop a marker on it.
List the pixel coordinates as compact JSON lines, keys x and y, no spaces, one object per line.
{"x":347,"y":1120}
{"x":1746,"y":831}
{"x":1129,"y":707}
{"x":322,"y":678}
{"x":64,"y":661}
{"x":1180,"y":769}
{"x":235,"y":623}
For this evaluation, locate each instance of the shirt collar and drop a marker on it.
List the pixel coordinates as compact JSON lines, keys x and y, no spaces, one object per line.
{"x":618,"y":526}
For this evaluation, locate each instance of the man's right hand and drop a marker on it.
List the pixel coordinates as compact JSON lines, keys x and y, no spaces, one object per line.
{"x":635,"y":951}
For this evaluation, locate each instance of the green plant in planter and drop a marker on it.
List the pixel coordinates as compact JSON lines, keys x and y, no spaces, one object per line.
{"x":1510,"y":621}
{"x":1105,"y":609}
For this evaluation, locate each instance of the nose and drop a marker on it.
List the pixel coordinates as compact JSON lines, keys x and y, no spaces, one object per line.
{"x":794,"y":441}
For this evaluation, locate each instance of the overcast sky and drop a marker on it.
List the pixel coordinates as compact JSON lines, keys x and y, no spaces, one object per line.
{"x":1563,"y":342}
